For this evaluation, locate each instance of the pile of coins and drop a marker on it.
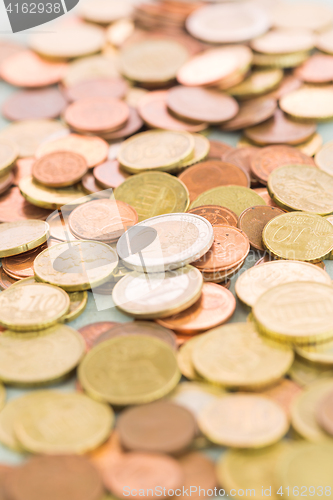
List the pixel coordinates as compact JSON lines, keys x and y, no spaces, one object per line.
{"x":203,"y":265}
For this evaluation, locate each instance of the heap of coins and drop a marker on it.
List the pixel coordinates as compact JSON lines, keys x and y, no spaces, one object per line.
{"x":166,"y":232}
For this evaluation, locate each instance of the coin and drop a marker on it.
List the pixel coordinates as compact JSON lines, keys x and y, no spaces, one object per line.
{"x":89,"y":184}
{"x":133,"y":125}
{"x":302,"y":187}
{"x":210,"y":174}
{"x":102,"y":220}
{"x":236,"y":198}
{"x":289,"y":312}
{"x":51,"y":198}
{"x":105,"y":12}
{"x":97,"y":87}
{"x":13,"y":207}
{"x":223,"y":421}
{"x":284,"y":41}
{"x":76,"y":265}
{"x":324,"y":41}
{"x":221,"y":276}
{"x":7,"y":48}
{"x":309,"y":103}
{"x":257,"y":83}
{"x":280,"y":130}
{"x":34,"y":104}
{"x":251,"y":112}
{"x":161,"y":294}
{"x":8,"y":154}
{"x":265,"y":196}
{"x":201,"y":149}
{"x":317,"y":69}
{"x":304,"y":373}
{"x":21,"y":236}
{"x":284,"y":61}
{"x":109,"y":174}
{"x":323,"y":158}
{"x":170,"y":148}
{"x":184,"y":359}
{"x":152,"y":194}
{"x":324,"y":412}
{"x":22,"y":265}
{"x":78,"y":303}
{"x":92,"y":331}
{"x":215,"y":306}
{"x":27,"y":69}
{"x":284,"y":393}
{"x":302,"y":16}
{"x":149,"y":364}
{"x":258,"y":279}
{"x":93,"y":149}
{"x":59,"y":169}
{"x":321,"y":354}
{"x":199,"y":472}
{"x":252,"y":222}
{"x":241,"y":348}
{"x":5,"y":280}
{"x":242,"y":158}
{"x":6,"y":182}
{"x":160,"y":427}
{"x":218,"y":149}
{"x":216,"y":215}
{"x":86,"y":68}
{"x":288,"y":84}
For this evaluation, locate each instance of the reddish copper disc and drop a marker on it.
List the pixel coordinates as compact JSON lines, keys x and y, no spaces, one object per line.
{"x":201,"y":105}
{"x":97,"y":87}
{"x":199,"y":472}
{"x":284,"y":394}
{"x":251,"y":112}
{"x":210,"y":174}
{"x":91,"y":332}
{"x":6,"y":181}
{"x":22,"y":168}
{"x":59,"y":169}
{"x":97,"y":114}
{"x":317,"y":69}
{"x":133,"y":124}
{"x":160,"y":427}
{"x":253,"y":220}
{"x":221,"y":276}
{"x":107,"y":454}
{"x":34,"y":104}
{"x":102,"y":220}
{"x":89,"y":184}
{"x":216,"y":215}
{"x":154,"y":111}
{"x":218,"y":150}
{"x":8,"y":48}
{"x":27,"y":69}
{"x":242,"y":157}
{"x":324,"y":413}
{"x":109,"y":174}
{"x":265,"y":196}
{"x":280,"y":130}
{"x":5,"y":282}
{"x":288,"y":84}
{"x":268,"y":159}
{"x":14,"y":207}
{"x":22,"y":265}
{"x":215,"y":306}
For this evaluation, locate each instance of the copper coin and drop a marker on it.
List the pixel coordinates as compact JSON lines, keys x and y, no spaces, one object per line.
{"x":201,"y":105}
{"x":107,"y":454}
{"x":210,"y":174}
{"x":324,"y":413}
{"x":216,"y":215}
{"x":266,"y":258}
{"x":154,"y":111}
{"x":288,"y":84}
{"x":221,"y":275}
{"x":253,"y":220}
{"x":89,"y":184}
{"x":4,"y":469}
{"x":97,"y":114}
{"x":218,"y":150}
{"x":34,"y":104}
{"x":265,"y":196}
{"x":271,"y":157}
{"x":317,"y":69}
{"x":54,"y":477}
{"x":199,"y":472}
{"x":149,"y":328}
{"x":91,"y":332}
{"x":284,"y":394}
{"x":22,"y":168}
{"x":27,"y":69}
{"x":97,"y":87}
{"x":22,"y":265}
{"x":242,"y":157}
{"x":59,"y":169}
{"x":161,"y":426}
{"x":230,"y":248}
{"x":5,"y":280}
{"x":6,"y":181}
{"x":251,"y":112}
{"x":280,"y":130}
{"x":133,"y":125}
{"x":14,"y":207}
{"x":147,"y":471}
{"x":8,"y":48}
{"x":215,"y":306}
{"x":102,"y":220}
{"x":109,"y":174}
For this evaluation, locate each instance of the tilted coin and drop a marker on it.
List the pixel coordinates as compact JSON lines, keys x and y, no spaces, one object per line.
{"x":21,"y":236}
{"x":195,"y":395}
{"x":201,"y":150}
{"x":288,"y":84}
{"x":252,"y":222}
{"x":243,"y":421}
{"x":284,"y":41}
{"x":78,"y":303}
{"x":5,"y":280}
{"x":240,"y":341}
{"x":251,"y":112}
{"x":317,"y":69}
{"x":257,"y":83}
{"x":165,"y":242}
{"x":199,"y":471}
{"x":309,"y":103}
{"x":51,"y":198}
{"x":129,"y":370}
{"x":22,"y":265}
{"x":158,"y":295}
{"x":280,"y":60}
{"x":324,"y":413}
{"x":320,"y":354}
{"x":184,"y":359}
{"x":305,"y":373}
{"x":109,"y":174}
{"x":216,"y":215}
{"x":302,"y":15}
{"x":298,"y":312}
{"x":59,"y":169}
{"x":97,"y":87}
{"x":92,"y":331}
{"x":242,"y":158}
{"x":85,"y":68}
{"x":323,"y":158}
{"x":218,"y":149}
{"x":32,"y":104}
{"x":284,"y":393}
{"x":89,"y":184}
{"x":324,"y":41}
{"x":130,"y":127}
{"x":9,"y":152}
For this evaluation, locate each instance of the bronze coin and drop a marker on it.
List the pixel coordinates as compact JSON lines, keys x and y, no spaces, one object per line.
{"x":22,"y":265}
{"x":288,"y":84}
{"x":59,"y":169}
{"x":91,"y":332}
{"x":218,"y":150}
{"x":34,"y":104}
{"x":6,"y":181}
{"x":149,"y":328}
{"x":8,"y":48}
{"x":324,"y":413}
{"x":161,"y":426}
{"x":210,"y":174}
{"x":54,"y":477}
{"x":253,"y":220}
{"x":97,"y":87}
{"x":14,"y":207}
{"x":242,"y":157}
{"x":201,"y":105}
{"x":216,"y":215}
{"x":317,"y":69}
{"x":280,"y":130}
{"x":97,"y":114}
{"x":271,"y":157}
{"x":133,"y":125}
{"x":251,"y":112}
{"x":5,"y":280}
{"x":22,"y":168}
{"x":199,"y":472}
{"x":109,"y":174}
{"x":265,"y":196}
{"x":89,"y":184}
{"x":4,"y":469}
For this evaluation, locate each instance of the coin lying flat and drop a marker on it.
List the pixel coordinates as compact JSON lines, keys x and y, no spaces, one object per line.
{"x":317,"y":69}
{"x":44,"y":103}
{"x":251,"y":112}
{"x":50,"y":198}
{"x":21,"y":236}
{"x":299,"y":312}
{"x":257,"y":83}
{"x":302,"y":15}
{"x":216,"y":215}
{"x":78,"y":303}
{"x":252,"y":222}
{"x":309,"y":103}
{"x":134,"y":369}
{"x":323,"y":158}
{"x":59,"y":169}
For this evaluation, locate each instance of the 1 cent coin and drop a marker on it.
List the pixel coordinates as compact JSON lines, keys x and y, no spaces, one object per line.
{"x":34,"y":104}
{"x":216,"y":215}
{"x":91,"y":332}
{"x":109,"y":174}
{"x":59,"y":169}
{"x":253,"y":220}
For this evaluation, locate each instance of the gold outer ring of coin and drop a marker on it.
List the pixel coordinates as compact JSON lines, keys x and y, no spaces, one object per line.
{"x":30,"y":245}
{"x":71,"y":315}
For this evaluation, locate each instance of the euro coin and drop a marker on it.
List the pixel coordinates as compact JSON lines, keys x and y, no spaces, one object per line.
{"x":184,"y":359}
{"x":22,"y":236}
{"x":257,"y":83}
{"x":320,"y":354}
{"x":309,"y":103}
{"x":323,"y":158}
{"x":50,"y":198}
{"x":8,"y":154}
{"x":78,"y":303}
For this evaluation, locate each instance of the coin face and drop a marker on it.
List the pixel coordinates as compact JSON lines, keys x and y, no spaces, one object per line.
{"x":309,"y":103}
{"x":317,"y":69}
{"x":149,"y":364}
{"x":109,"y":174}
{"x":324,"y":412}
{"x":85,"y":68}
{"x":22,"y":265}
{"x":21,"y":236}
{"x":51,"y":198}
{"x":216,"y":215}
{"x":34,"y":104}
{"x":257,"y":83}
{"x":59,"y":169}
{"x":321,"y":354}
{"x":256,"y":280}
{"x":302,"y":15}
{"x":105,"y":12}
{"x":97,"y":87}
{"x":251,"y":112}
{"x":323,"y":158}
{"x":252,"y":222}
{"x":284,"y":41}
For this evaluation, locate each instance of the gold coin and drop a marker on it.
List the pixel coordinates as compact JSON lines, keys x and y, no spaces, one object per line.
{"x":311,"y":146}
{"x":119,"y":31}
{"x":104,"y":11}
{"x":299,"y":236}
{"x":39,"y":357}
{"x":236,"y":356}
{"x":21,"y":236}
{"x":85,"y":68}
{"x":195,"y":395}
{"x":298,"y":312}
{"x":302,"y":15}
{"x":129,"y":370}
{"x":25,"y":281}
{"x":51,"y":198}
{"x":201,"y":150}
{"x":184,"y":358}
{"x":305,"y":373}
{"x":236,"y":198}
{"x":324,"y":158}
{"x":70,"y":423}
{"x":325,"y":41}
{"x":156,"y":150}
{"x":2,"y":396}
{"x":309,"y":103}
{"x":280,"y":60}
{"x":153,"y":193}
{"x":76,"y":265}
{"x":321,"y":354}
{"x":8,"y":154}
{"x":284,"y":41}
{"x":78,"y":303}
{"x":243,"y":421}
{"x":259,"y":82}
